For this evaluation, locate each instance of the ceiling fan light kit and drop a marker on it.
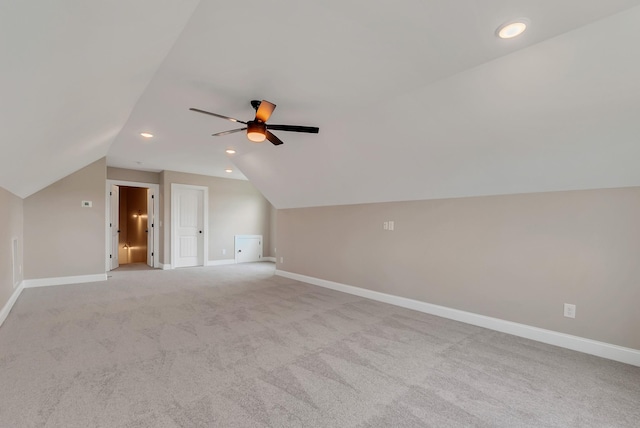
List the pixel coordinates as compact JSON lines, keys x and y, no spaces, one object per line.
{"x":258,"y":129}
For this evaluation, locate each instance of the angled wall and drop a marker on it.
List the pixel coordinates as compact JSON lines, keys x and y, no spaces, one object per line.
{"x":516,"y":257}
{"x":62,"y":238}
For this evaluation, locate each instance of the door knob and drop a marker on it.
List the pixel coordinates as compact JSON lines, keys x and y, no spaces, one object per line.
{"x":200,"y":231}
{"x":239,"y":251}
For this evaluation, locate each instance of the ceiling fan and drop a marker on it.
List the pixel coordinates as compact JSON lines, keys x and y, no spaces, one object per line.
{"x":258,"y":129}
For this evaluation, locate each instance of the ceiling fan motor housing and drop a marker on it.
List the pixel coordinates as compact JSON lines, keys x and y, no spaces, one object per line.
{"x":256,"y":131}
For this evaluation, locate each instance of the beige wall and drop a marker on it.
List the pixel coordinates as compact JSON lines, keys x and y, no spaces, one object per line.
{"x":133,"y":175}
{"x":61,"y":237}
{"x":11,"y":215}
{"x":517,"y":257}
{"x":235,"y":208}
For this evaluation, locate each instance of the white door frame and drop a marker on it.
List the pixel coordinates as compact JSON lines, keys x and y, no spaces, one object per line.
{"x":205,"y":221}
{"x":114,"y":225}
{"x":155,"y":221}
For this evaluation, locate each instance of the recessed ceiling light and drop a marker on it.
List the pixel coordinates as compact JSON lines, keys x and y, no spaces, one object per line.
{"x":146,"y":135}
{"x":228,"y":170}
{"x":230,"y":151}
{"x":513,"y":28}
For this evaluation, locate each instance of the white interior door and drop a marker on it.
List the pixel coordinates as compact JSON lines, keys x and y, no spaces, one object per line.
{"x":248,"y":248}
{"x":114,"y":224}
{"x":150,"y":227}
{"x":189,"y":227}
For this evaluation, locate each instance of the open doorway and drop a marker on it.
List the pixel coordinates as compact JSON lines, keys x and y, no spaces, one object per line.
{"x":132,"y":233}
{"x":132,"y":216}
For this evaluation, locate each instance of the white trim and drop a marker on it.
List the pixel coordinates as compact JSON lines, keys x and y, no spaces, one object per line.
{"x":221,"y":262}
{"x":79,"y":279}
{"x":164,"y":266}
{"x":576,"y":343}
{"x":269,"y":259}
{"x":4,"y":312}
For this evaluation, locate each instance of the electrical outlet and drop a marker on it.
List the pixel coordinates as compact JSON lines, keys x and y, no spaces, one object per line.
{"x":87,"y":204}
{"x":391,"y":225}
{"x":569,"y":310}
{"x":281,"y":259}
{"x":385,"y":225}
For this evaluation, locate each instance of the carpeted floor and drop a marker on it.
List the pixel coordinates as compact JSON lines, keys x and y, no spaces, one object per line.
{"x":235,"y":346}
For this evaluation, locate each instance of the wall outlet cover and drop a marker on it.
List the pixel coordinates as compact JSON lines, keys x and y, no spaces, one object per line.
{"x":569,"y":310}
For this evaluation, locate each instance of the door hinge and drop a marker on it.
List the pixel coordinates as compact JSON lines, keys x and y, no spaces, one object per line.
{"x":151,"y":254}
{"x":152,"y":196}
{"x":110,"y":194}
{"x":151,"y":224}
{"x":110,"y":256}
{"x":110,"y":225}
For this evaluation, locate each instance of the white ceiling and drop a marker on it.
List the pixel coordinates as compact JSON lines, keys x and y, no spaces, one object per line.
{"x":415,"y":99}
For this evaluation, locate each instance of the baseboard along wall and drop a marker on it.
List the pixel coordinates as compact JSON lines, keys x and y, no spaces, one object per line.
{"x":78,"y":279}
{"x":46,"y":282}
{"x":4,"y":312}
{"x":575,"y":343}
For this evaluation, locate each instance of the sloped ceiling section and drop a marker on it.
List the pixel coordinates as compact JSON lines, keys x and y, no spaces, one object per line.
{"x":415,"y":99}
{"x":558,"y":115}
{"x":71,"y":73}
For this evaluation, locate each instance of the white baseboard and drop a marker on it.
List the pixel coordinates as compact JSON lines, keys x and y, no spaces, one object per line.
{"x":576,"y":343}
{"x":269,"y":259}
{"x":164,"y":266}
{"x":45,"y":282}
{"x":221,"y":262}
{"x":4,"y":312}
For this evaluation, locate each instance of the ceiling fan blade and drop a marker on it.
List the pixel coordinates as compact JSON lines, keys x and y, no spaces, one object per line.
{"x":274,"y":140}
{"x":217,"y":115}
{"x":233,"y":131}
{"x":294,"y":128}
{"x":264,"y":111}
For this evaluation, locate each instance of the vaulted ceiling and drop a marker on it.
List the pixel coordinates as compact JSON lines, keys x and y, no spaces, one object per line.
{"x":415,"y":99}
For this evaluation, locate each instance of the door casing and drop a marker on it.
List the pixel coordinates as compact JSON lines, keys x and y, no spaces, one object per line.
{"x":152,"y":218}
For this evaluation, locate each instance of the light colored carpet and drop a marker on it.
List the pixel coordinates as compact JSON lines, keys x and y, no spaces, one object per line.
{"x":133,"y":266}
{"x":235,"y":346}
